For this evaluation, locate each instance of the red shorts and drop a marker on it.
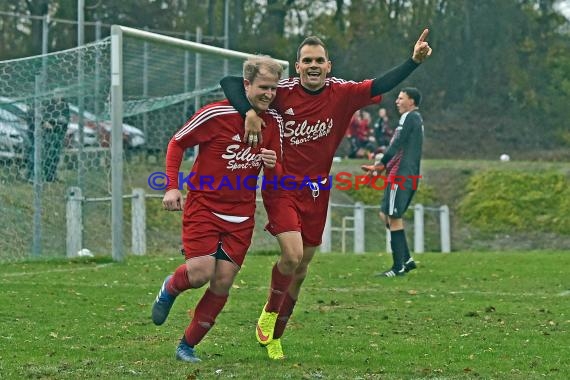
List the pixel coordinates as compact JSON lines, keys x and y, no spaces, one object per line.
{"x":203,"y":232}
{"x":297,"y":210}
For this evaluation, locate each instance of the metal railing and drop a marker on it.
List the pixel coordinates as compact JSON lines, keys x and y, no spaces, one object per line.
{"x":358,"y":228}
{"x":354,"y":224}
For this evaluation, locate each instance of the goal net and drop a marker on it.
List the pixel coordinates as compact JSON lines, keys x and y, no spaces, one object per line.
{"x":88,"y":125}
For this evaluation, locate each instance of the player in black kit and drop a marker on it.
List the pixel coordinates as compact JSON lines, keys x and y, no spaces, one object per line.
{"x":402,"y":163}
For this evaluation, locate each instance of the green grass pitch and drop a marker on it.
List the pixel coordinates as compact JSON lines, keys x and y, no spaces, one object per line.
{"x":477,"y":315}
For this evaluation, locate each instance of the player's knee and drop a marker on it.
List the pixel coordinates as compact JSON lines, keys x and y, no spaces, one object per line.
{"x":291,"y":258}
{"x":396,"y":224}
{"x":290,"y":262}
{"x":198,"y":280}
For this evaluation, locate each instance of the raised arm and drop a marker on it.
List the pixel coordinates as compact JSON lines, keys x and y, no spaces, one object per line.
{"x":396,"y":75}
{"x":393,"y":77}
{"x":235,"y":92}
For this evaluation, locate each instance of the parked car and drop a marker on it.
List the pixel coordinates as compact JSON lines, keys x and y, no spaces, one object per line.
{"x":96,"y":133}
{"x":132,"y":136}
{"x":11,"y":142}
{"x":90,"y":137}
{"x":12,"y":135}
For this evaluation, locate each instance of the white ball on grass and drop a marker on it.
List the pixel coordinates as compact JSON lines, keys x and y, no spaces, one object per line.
{"x":505,"y":157}
{"x":84,"y":253}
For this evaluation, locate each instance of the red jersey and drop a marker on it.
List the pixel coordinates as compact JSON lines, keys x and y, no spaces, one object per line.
{"x":314,"y":124}
{"x":224,"y":175}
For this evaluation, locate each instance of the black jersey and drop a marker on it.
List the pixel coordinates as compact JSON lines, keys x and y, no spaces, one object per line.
{"x":403,"y":156}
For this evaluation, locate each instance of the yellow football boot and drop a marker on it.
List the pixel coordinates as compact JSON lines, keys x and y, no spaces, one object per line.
{"x":265,"y":326}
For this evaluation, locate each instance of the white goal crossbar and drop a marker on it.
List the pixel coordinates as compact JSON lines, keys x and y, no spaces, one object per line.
{"x":117,"y":74}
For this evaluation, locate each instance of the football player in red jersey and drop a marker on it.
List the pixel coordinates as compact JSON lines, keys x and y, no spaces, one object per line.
{"x":218,"y":214}
{"x":316,"y":111}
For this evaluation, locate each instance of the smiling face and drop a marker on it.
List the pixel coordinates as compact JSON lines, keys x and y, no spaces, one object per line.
{"x":313,"y":66}
{"x":261,"y":91}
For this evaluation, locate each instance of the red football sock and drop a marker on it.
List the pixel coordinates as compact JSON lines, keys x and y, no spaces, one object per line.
{"x":204,"y":316}
{"x":179,"y":281}
{"x":284,"y":314}
{"x":279,"y":285}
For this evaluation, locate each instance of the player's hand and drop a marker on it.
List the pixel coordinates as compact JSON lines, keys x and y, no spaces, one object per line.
{"x":269,"y":158}
{"x":253,"y":125}
{"x":373,"y":170}
{"x":172,"y":200}
{"x":422,"y":50}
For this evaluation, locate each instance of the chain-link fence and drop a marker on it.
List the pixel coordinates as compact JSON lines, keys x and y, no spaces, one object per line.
{"x":56,"y":134}
{"x":48,"y":141}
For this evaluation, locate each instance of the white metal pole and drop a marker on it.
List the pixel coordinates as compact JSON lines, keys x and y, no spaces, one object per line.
{"x":186,"y":79}
{"x":97,"y":72}
{"x":117,"y":143}
{"x":37,"y":154}
{"x":419,"y":228}
{"x":80,"y":22}
{"x":45,"y":34}
{"x":197,"y":79}
{"x":326,"y":244}
{"x":45,"y":46}
{"x":74,"y":221}
{"x":226,"y":32}
{"x":359,"y":227}
{"x":145,"y":86}
{"x":138,"y":222}
{"x":445,"y":229}
{"x":80,"y":97}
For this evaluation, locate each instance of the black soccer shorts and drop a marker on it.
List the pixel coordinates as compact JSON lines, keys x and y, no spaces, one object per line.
{"x":397,"y":199}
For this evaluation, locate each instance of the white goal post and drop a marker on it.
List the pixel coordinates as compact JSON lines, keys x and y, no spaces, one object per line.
{"x":118,"y":35}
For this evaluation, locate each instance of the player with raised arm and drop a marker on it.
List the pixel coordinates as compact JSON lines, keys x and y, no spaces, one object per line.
{"x":218,"y":216}
{"x":316,"y":111}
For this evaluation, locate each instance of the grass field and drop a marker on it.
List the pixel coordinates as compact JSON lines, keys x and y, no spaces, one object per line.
{"x":459,"y":316}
